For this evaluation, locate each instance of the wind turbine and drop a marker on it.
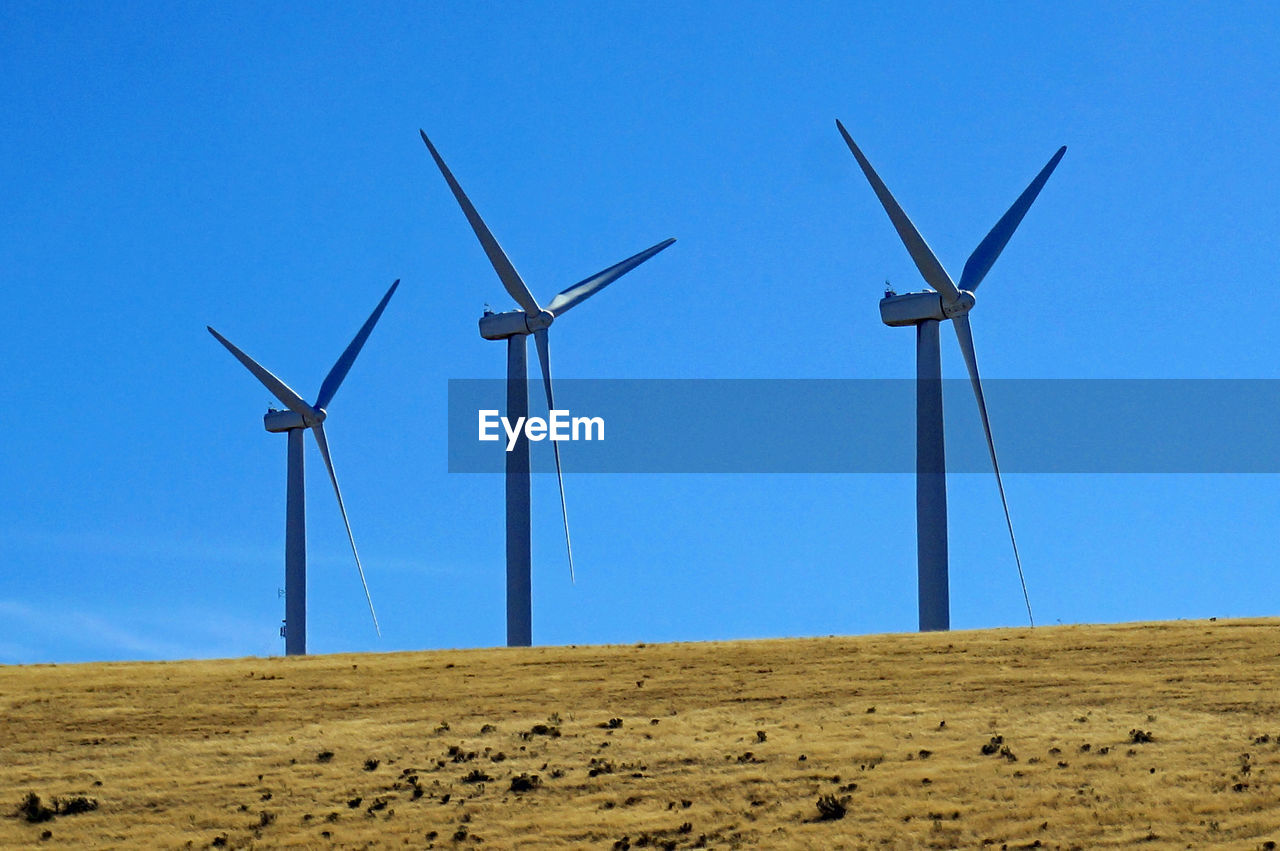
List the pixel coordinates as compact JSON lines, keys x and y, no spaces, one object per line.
{"x":299,"y":417}
{"x":926,"y":310}
{"x":515,"y":326}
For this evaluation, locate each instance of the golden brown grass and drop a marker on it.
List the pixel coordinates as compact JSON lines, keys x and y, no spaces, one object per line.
{"x":719,"y":745}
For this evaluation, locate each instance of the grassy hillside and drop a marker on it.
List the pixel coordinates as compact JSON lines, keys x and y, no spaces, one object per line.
{"x":1153,"y":735}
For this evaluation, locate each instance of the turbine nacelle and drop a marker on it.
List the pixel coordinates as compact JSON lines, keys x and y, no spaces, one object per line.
{"x":914,"y":308}
{"x":512,"y":323}
{"x":911,"y":308}
{"x":278,"y":421}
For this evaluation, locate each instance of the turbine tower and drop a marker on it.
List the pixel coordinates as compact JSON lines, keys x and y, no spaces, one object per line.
{"x":926,"y":310}
{"x":515,"y":326}
{"x":299,"y":417}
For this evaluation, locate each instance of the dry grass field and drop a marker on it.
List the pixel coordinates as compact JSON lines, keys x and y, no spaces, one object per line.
{"x":1152,"y":735}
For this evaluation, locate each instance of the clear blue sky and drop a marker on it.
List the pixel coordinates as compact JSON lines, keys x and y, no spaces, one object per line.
{"x":167,"y":166}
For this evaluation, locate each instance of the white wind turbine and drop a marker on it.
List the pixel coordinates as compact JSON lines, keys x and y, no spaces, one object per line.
{"x":515,"y":326}
{"x":925,"y":310}
{"x":299,"y":417}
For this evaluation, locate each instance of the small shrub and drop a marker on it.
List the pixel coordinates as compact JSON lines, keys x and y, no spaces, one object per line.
{"x":831,"y":808}
{"x":74,"y":805}
{"x":371,"y":764}
{"x":525,"y":783}
{"x":1140,"y":737}
{"x":611,"y":724}
{"x":993,"y":746}
{"x":457,"y":754}
{"x":761,"y":736}
{"x":541,"y":730}
{"x":597,"y":766}
{"x":33,"y":810}
{"x":324,"y":756}
{"x":476,"y":776}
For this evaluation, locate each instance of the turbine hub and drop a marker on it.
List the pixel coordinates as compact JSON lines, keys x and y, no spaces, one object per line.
{"x":542,"y":319}
{"x":962,"y":305}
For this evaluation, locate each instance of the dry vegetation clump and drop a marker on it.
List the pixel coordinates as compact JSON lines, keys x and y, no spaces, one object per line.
{"x":35,"y":811}
{"x":1157,"y":735}
{"x":831,"y":808}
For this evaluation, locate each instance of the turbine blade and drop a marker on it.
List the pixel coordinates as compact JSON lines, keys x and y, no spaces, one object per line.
{"x":982,"y":258}
{"x":544,"y":355}
{"x":965,"y":334}
{"x":584,"y":289}
{"x":334,"y":379}
{"x":277,"y":387}
{"x":925,"y":260}
{"x":318,"y":430}
{"x":502,"y":265}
